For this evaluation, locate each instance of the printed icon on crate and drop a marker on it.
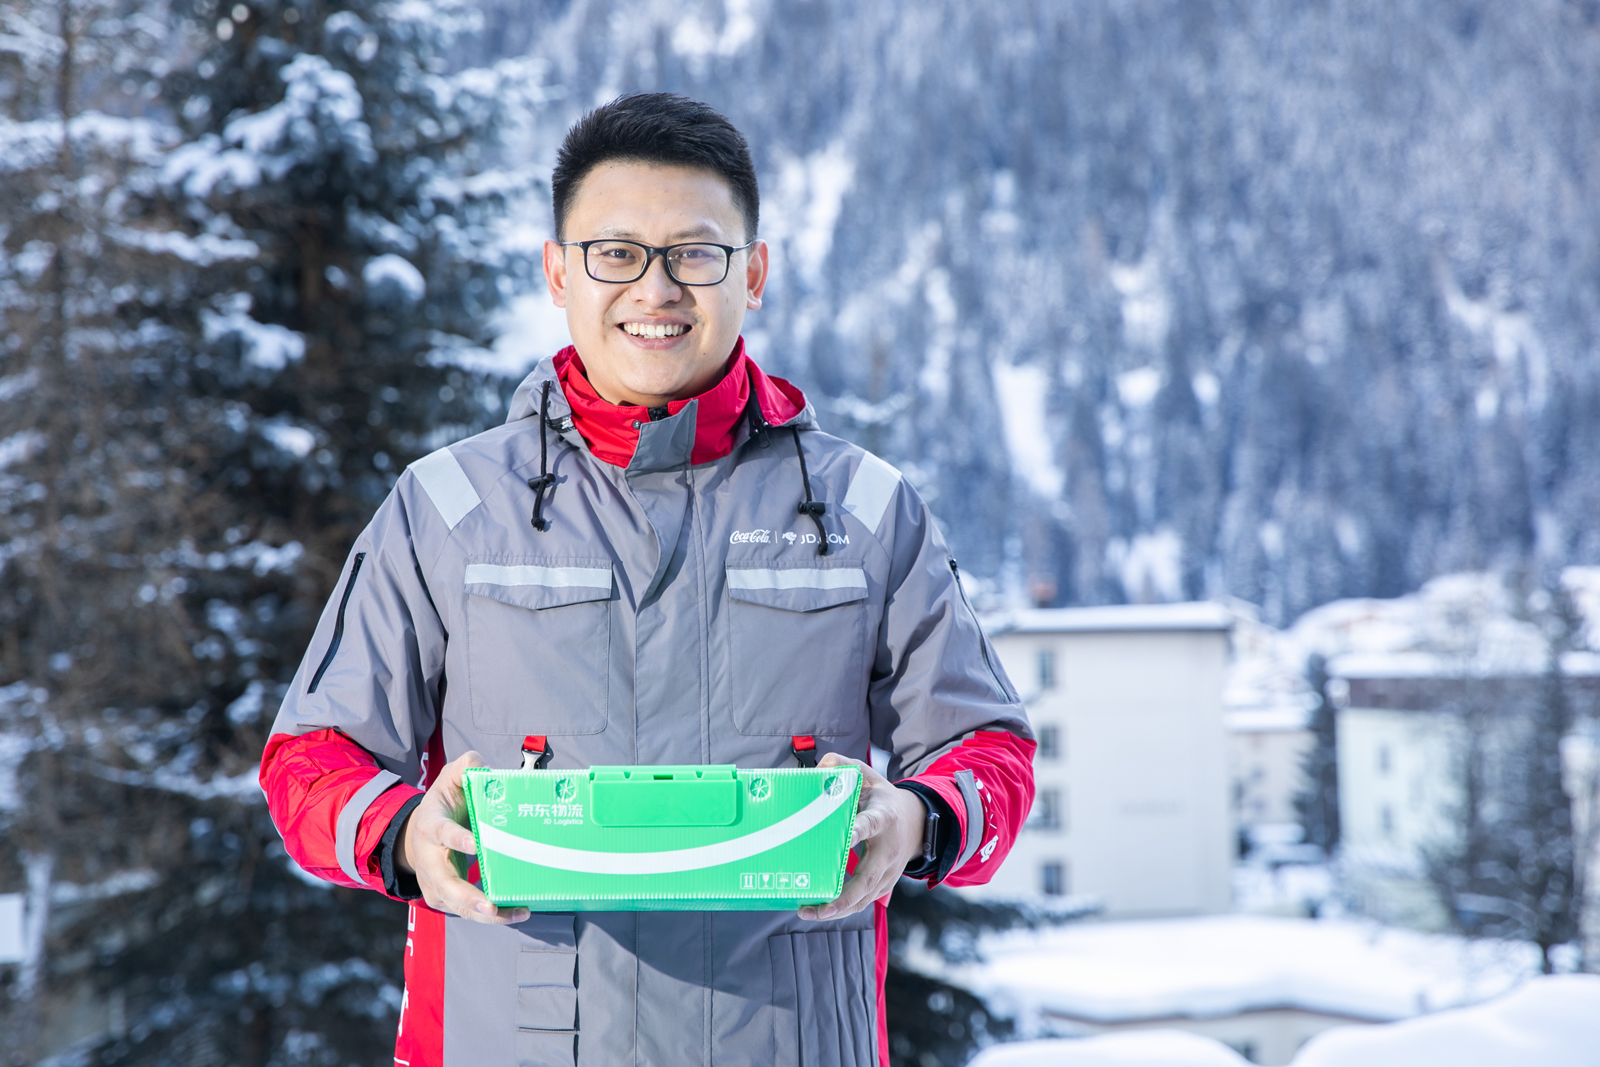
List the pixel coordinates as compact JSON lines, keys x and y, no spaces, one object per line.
{"x":494,"y":789}
{"x":774,"y":880}
{"x":566,"y":789}
{"x":760,"y":789}
{"x":833,"y":786}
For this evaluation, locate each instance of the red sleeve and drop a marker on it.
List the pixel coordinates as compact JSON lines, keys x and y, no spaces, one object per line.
{"x":987,"y":779}
{"x":312,"y":779}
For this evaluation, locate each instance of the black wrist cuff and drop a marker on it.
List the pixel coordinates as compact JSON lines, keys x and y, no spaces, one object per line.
{"x":944,"y":857}
{"x":398,"y":883}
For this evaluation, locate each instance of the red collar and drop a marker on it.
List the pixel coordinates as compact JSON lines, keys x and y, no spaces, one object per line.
{"x":612,"y":436}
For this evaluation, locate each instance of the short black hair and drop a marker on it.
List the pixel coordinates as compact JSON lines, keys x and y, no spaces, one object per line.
{"x":661,"y":128}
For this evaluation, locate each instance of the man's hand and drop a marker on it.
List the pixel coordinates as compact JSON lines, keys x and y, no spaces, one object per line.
{"x":434,"y":829}
{"x":889,"y":822}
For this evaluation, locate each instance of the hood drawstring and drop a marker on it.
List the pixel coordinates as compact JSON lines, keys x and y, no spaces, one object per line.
{"x":545,"y":479}
{"x":760,"y":428}
{"x":814,"y":508}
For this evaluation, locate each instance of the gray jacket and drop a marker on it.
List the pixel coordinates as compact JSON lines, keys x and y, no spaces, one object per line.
{"x":668,"y":614}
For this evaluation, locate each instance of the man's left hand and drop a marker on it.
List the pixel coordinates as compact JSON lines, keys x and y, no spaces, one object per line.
{"x":889,"y":822}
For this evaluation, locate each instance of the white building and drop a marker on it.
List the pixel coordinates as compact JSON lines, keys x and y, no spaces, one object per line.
{"x":1401,"y":741}
{"x":1131,"y":774}
{"x":1267,"y":748}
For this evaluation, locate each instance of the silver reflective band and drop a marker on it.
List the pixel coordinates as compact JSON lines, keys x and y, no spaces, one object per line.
{"x":797,"y":578}
{"x":446,"y":485}
{"x":871,"y":490}
{"x":968,"y":784}
{"x":529,"y":574}
{"x":349,"y":824}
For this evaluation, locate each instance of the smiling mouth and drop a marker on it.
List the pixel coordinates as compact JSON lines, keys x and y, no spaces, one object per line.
{"x":655,"y":330}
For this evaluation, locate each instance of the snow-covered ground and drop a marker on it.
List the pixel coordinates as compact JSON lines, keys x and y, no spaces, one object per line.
{"x":1227,"y":964}
{"x":1545,"y":1022}
{"x":1180,"y":992}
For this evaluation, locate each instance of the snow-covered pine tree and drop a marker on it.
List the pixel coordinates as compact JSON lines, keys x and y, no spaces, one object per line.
{"x":1510,"y":871}
{"x":279,"y":297}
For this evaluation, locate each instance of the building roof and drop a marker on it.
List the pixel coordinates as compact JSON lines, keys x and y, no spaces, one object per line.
{"x":1279,"y":718}
{"x":1433,"y":665}
{"x":1116,"y":618}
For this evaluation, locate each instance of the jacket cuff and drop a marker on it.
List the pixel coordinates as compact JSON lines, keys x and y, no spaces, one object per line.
{"x":399,"y":884}
{"x":966,"y":818}
{"x":944,"y":856}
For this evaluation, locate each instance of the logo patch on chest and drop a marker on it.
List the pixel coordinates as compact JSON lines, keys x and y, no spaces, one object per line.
{"x":750,"y":537}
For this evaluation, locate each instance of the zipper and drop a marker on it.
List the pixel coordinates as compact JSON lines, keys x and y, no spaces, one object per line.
{"x":338,"y":622}
{"x":983,"y":642}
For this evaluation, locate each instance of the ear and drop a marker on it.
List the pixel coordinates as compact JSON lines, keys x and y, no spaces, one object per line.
{"x":755,"y":276}
{"x":555,"y":272}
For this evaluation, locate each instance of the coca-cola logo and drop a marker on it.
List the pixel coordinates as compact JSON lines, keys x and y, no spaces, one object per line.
{"x":750,"y":537}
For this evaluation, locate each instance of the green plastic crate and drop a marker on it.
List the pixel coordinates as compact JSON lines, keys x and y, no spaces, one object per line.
{"x":663,"y":838}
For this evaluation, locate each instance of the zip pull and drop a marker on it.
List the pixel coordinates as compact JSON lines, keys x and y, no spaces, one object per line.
{"x":536,"y":752}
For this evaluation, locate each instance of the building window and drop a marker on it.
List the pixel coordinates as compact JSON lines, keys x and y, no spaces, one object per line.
{"x":1386,"y":820}
{"x":1383,"y":759}
{"x":1048,"y":811}
{"x":1047,"y":668}
{"x":1049,"y":742}
{"x":1053,"y":878}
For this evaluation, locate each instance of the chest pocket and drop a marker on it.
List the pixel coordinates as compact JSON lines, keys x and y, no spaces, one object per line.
{"x":798,"y":646}
{"x":539,"y":644}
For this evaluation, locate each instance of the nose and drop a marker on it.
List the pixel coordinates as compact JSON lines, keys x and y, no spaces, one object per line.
{"x":657,"y":286}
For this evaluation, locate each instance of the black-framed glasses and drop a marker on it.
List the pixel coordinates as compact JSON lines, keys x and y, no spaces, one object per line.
{"x":620,"y":262}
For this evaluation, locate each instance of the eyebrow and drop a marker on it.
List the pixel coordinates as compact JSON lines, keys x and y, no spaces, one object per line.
{"x":622,"y":233}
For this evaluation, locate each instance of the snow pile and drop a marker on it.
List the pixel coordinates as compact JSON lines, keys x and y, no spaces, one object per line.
{"x":1144,"y":1048}
{"x":1215,"y":966}
{"x":1550,"y":1022}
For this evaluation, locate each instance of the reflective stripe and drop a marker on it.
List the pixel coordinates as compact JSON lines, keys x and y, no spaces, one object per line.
{"x":446,"y":485}
{"x":796,"y":578}
{"x":871,"y":490}
{"x":529,"y":574}
{"x":683,"y":859}
{"x":344,"y":834}
{"x":968,"y":784}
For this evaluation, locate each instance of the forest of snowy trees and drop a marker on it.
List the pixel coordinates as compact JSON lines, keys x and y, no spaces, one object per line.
{"x":1151,"y":301}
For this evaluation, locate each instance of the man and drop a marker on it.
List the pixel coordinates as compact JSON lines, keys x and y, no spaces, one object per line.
{"x":658,"y":559}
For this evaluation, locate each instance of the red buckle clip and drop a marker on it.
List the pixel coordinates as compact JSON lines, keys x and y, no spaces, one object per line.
{"x":536,"y":752}
{"x":804,"y":747}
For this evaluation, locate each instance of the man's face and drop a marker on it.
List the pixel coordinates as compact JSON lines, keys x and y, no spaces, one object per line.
{"x":657,"y":206}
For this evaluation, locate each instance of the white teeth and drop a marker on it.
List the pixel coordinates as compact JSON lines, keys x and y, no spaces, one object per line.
{"x":665,"y":329}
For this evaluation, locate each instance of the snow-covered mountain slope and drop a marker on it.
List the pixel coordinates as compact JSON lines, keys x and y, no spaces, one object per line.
{"x":1165,"y":300}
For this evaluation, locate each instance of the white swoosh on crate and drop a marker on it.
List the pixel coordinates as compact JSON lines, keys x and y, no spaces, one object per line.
{"x":495,"y":839}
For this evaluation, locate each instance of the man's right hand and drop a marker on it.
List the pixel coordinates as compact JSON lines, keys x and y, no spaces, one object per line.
{"x":435,"y":828}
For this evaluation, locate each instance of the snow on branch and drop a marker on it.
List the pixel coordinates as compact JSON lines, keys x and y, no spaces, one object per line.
{"x":266,"y":345}
{"x":245,"y":786}
{"x":203,"y":250}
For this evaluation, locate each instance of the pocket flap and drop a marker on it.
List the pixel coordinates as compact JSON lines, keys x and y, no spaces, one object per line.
{"x":543,"y":584}
{"x":797,"y":588}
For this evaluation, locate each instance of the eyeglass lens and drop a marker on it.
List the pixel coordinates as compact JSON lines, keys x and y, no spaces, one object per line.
{"x":624,"y":261}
